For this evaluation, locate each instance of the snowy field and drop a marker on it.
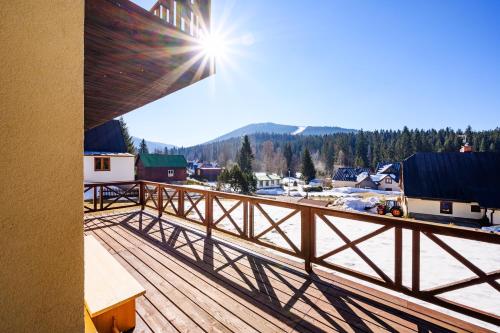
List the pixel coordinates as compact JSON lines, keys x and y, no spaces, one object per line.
{"x":437,"y":266}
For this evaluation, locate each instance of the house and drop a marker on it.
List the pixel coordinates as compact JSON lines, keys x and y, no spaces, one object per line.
{"x":208,"y":171}
{"x":452,"y":187}
{"x":265,"y":180}
{"x":348,"y":177}
{"x":161,"y":168}
{"x":105,"y":157}
{"x":365,"y":180}
{"x":391,"y":169}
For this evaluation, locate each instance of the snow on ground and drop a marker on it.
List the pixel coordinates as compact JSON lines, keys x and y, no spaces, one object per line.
{"x":344,"y":191}
{"x":437,"y":267}
{"x":271,"y":191}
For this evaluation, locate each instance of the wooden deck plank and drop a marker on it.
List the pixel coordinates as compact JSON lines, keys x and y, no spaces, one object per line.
{"x":284,"y":299}
{"x":140,"y":324}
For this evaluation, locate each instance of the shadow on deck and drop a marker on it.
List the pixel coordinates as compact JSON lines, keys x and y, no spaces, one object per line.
{"x":194,"y":283}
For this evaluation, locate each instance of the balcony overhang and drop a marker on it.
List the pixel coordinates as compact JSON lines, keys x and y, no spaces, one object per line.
{"x":133,"y":57}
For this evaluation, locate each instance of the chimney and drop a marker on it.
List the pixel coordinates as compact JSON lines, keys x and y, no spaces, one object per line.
{"x":466,"y":148}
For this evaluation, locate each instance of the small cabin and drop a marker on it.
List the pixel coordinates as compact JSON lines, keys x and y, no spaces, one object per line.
{"x":209,"y":172}
{"x":105,"y":157}
{"x":265,"y":180}
{"x":161,"y":168}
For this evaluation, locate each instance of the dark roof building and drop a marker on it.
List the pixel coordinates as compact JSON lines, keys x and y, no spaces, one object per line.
{"x":161,"y":168}
{"x":460,"y":177}
{"x":349,"y":174}
{"x":105,"y":138}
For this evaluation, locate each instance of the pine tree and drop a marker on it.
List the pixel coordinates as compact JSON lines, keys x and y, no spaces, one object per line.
{"x":143,"y":148}
{"x":165,"y":151}
{"x":308,"y":170}
{"x":361,"y":149}
{"x":330,"y":159}
{"x":126,"y":136}
{"x":245,"y":156}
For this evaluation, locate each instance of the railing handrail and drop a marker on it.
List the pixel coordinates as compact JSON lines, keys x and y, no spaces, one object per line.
{"x":420,"y":225}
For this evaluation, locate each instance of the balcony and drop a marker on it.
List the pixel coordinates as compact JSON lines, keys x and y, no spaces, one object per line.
{"x":212,"y":260}
{"x":133,"y":57}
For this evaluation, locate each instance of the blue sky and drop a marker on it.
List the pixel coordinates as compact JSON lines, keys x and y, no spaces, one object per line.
{"x":355,"y":64}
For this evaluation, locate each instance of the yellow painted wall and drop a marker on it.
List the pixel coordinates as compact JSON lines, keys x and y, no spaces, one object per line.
{"x":41,"y":131}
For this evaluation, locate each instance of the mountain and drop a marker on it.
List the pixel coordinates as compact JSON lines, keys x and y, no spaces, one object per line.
{"x":152,"y":146}
{"x":272,"y":128}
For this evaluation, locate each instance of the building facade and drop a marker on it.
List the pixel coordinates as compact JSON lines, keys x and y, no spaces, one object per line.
{"x":460,"y":188}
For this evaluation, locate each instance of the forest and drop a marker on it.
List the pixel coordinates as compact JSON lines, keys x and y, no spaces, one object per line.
{"x":280,"y":152}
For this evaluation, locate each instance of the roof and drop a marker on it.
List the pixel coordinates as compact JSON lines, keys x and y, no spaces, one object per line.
{"x":389,"y":168}
{"x":160,"y":160}
{"x":349,"y":174}
{"x":463,"y":177}
{"x":380,"y":176}
{"x":265,"y":176}
{"x":106,"y":138}
{"x":100,"y":153}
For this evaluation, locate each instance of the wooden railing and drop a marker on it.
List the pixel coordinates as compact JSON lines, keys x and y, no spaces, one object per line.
{"x":262,"y":220}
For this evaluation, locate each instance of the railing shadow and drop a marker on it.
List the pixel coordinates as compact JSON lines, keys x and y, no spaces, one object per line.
{"x":276,"y":289}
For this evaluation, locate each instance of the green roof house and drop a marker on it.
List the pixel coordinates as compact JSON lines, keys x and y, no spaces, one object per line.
{"x":161,"y":168}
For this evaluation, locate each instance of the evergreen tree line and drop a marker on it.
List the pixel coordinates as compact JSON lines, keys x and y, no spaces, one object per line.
{"x":281,"y":152}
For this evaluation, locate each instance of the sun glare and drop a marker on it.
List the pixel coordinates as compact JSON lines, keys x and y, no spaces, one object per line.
{"x":213,"y":46}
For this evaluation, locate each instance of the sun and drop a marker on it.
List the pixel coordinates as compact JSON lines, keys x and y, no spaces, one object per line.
{"x":213,"y":45}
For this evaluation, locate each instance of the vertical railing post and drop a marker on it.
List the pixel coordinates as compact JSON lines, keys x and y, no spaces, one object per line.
{"x":94,"y":201}
{"x":251,"y":227}
{"x":142,"y":198}
{"x":101,"y":197}
{"x":245,"y":218}
{"x":306,"y":236}
{"x":398,"y":256}
{"x":415,"y":261}
{"x":160,"y":200}
{"x":209,"y":212}
{"x":180,"y":203}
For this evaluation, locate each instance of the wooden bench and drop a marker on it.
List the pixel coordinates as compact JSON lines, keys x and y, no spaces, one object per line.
{"x":110,"y":291}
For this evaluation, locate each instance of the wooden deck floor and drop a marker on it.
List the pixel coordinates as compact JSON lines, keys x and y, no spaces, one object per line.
{"x":199,"y":284}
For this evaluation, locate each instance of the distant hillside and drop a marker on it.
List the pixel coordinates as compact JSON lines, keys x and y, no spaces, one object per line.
{"x":152,"y":146}
{"x":272,"y":128}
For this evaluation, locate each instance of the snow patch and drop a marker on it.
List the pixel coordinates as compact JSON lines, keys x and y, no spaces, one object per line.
{"x":299,"y":130}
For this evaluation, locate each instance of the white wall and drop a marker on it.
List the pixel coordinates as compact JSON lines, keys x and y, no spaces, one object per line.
{"x":122,"y":169}
{"x":432,"y":207}
{"x":394,"y":186}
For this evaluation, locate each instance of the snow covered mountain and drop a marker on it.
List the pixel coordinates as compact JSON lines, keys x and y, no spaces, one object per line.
{"x":273,"y":128}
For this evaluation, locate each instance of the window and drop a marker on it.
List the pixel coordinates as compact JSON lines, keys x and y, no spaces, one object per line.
{"x":446,"y":207}
{"x":475,"y":208}
{"x":102,"y":164}
{"x":388,"y":180}
{"x":170,"y":173}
